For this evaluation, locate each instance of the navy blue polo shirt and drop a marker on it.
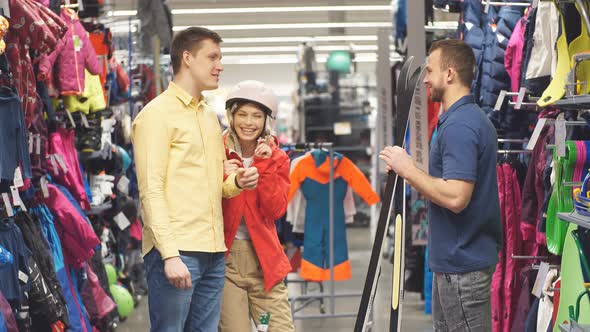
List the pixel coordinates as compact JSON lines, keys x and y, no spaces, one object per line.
{"x":465,"y":149}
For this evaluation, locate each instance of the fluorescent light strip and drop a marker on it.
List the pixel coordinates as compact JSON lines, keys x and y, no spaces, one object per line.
{"x":296,"y":48}
{"x":296,"y":39}
{"x":292,"y":59}
{"x":256,"y":10}
{"x":293,"y":26}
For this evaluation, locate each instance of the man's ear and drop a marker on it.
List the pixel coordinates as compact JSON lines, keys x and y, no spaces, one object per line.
{"x":451,"y":74}
{"x":186,"y":57}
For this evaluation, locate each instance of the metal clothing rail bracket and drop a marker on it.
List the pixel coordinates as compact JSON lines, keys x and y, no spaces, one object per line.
{"x":519,"y":101}
{"x":545,"y":122}
{"x":489,"y":3}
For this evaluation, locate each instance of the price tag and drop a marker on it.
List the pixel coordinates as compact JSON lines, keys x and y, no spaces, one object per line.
{"x":123,"y":185}
{"x":71,"y":119}
{"x":540,"y":281}
{"x":84,"y":120}
{"x":30,"y":143}
{"x":23,"y":277}
{"x":122,"y":221}
{"x":18,"y":178}
{"x":38,"y":145}
{"x":7,"y":205}
{"x":53,"y":164}
{"x":77,"y":43}
{"x":16,"y":198}
{"x":44,"y":189}
{"x":61,"y":162}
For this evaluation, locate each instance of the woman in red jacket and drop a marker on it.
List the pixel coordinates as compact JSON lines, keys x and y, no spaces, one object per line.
{"x":256,"y":264}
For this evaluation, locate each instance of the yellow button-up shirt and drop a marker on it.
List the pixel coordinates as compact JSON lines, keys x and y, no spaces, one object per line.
{"x":179,"y":156}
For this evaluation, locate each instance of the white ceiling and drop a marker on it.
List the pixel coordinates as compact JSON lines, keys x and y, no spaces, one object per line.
{"x":274,"y":60}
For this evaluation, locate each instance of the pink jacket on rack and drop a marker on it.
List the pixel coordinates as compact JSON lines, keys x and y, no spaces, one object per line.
{"x":73,"y":54}
{"x":61,"y":145}
{"x":77,"y":237}
{"x":513,"y":55}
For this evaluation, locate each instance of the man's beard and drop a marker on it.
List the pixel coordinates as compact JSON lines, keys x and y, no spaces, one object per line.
{"x":436,"y":94}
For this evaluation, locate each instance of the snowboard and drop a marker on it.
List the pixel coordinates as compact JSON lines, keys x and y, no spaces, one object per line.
{"x":393,"y":198}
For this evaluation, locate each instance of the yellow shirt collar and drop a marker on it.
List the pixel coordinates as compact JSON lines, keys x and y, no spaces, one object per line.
{"x":185,"y":97}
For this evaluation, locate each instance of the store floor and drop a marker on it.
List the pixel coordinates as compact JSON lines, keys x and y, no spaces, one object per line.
{"x":414,"y":319}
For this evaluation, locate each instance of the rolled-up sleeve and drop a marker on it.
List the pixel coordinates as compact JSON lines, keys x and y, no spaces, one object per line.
{"x":151,"y":140}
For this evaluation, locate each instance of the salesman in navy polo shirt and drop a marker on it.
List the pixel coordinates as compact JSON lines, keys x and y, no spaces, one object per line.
{"x":465,"y":233}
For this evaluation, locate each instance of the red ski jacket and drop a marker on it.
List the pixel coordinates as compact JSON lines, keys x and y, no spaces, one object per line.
{"x":260,"y":208}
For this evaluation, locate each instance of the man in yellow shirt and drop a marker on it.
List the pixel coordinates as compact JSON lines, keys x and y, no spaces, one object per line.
{"x":179,"y":158}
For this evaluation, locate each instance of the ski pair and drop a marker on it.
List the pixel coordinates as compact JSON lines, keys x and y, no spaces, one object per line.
{"x":392,"y":201}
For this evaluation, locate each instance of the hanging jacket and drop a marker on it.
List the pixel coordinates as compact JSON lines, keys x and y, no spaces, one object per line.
{"x":96,"y":301}
{"x":41,"y":301}
{"x":312,"y":175}
{"x":540,"y":61}
{"x":497,"y":286}
{"x":14,"y":277}
{"x":73,"y":54}
{"x":297,"y":205}
{"x":494,"y":77}
{"x":37,"y":243}
{"x":75,"y":312}
{"x":513,"y":55}
{"x":512,"y":246}
{"x":533,"y":193}
{"x":82,"y":321}
{"x":7,"y":314}
{"x":62,"y":143}
{"x":76,"y":235}
{"x":470,"y":30}
{"x":33,"y":27}
{"x":260,"y":208}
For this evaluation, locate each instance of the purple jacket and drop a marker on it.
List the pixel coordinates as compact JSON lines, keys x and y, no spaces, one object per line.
{"x":513,"y":55}
{"x":72,"y":55}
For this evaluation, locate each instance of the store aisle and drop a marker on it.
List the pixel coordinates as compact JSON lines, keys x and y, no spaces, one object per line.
{"x":414,"y":319}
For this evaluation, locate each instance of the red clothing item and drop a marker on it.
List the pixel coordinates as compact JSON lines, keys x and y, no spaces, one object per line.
{"x":260,"y":208}
{"x":33,"y":27}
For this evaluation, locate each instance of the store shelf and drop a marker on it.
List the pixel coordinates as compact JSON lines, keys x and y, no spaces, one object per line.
{"x":575,"y":218}
{"x":574,"y":103}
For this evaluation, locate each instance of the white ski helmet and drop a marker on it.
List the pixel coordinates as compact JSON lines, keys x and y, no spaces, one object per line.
{"x":254,"y":91}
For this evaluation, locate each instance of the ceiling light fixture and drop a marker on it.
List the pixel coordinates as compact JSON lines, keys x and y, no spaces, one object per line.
{"x":266,"y":49}
{"x":301,"y":39}
{"x":257,"y":10}
{"x":292,"y":26}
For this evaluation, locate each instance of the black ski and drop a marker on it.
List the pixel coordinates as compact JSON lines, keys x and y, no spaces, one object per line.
{"x":394,"y":189}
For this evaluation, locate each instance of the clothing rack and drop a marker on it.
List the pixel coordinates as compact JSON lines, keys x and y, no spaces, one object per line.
{"x":489,"y":3}
{"x":514,"y":151}
{"x":332,"y":295}
{"x":512,"y":140}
